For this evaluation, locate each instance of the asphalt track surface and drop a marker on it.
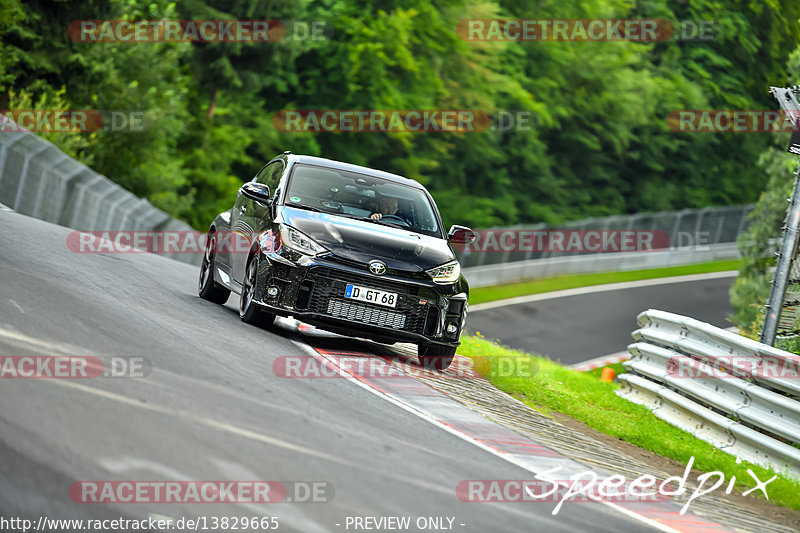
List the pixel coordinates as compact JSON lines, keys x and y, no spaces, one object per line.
{"x":576,"y":328}
{"x":211,"y":407}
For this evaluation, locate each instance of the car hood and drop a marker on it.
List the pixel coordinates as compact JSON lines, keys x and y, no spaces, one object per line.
{"x":358,"y":240}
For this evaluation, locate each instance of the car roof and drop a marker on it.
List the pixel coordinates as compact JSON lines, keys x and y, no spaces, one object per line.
{"x":339,"y":165}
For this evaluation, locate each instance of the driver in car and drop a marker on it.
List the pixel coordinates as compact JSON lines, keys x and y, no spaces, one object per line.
{"x":386,"y":206}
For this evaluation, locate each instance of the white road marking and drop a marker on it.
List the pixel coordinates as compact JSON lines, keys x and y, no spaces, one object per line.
{"x":601,"y":288}
{"x":20,"y":339}
{"x":425,"y":416}
{"x":157,"y":517}
{"x":603,"y":360}
{"x":15,"y":304}
{"x":294,"y":515}
{"x":246,"y":433}
{"x":209,"y":422}
{"x":127,"y":463}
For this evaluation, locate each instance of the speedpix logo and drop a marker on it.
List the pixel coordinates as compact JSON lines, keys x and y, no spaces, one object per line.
{"x":587,"y":486}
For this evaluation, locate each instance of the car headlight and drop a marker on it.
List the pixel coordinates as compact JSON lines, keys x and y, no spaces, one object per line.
{"x":447,"y":273}
{"x":300,"y":242}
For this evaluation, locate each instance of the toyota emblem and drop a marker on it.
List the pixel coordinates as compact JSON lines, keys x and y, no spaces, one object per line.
{"x":377,"y":267}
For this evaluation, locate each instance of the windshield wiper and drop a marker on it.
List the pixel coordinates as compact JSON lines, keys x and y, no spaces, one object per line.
{"x":354,"y":217}
{"x":308,"y":208}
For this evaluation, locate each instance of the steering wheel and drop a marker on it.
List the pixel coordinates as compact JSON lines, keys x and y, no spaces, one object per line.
{"x":395,"y":218}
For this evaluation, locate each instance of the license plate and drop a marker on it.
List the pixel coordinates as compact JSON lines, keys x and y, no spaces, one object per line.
{"x":373,"y":296}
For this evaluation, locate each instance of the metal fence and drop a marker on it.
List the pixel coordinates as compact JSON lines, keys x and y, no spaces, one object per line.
{"x":740,"y":395}
{"x":39,"y":180}
{"x":685,"y":237}
{"x":687,"y":228}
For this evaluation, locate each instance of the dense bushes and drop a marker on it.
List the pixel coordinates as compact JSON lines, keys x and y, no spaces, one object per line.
{"x":600,"y":144}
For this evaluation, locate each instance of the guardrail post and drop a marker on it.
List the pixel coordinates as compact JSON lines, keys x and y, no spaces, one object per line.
{"x":787,"y":253}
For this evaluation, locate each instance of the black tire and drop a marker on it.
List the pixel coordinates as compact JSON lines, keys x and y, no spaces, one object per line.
{"x":435,"y":357}
{"x":248,"y":311}
{"x":207,"y":288}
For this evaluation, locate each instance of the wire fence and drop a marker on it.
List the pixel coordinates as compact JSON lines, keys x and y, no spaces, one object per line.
{"x":669,"y":230}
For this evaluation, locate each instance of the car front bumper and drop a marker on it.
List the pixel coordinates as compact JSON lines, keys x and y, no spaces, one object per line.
{"x":311,"y":289}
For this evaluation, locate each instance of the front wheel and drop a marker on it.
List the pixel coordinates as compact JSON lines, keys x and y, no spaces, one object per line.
{"x":248,"y":310}
{"x":207,"y":288}
{"x":435,"y":357}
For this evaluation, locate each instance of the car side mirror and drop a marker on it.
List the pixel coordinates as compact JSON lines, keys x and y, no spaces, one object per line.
{"x":461,"y":235}
{"x":256,"y":191}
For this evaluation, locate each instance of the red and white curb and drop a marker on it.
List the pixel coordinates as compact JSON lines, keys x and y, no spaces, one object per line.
{"x":603,"y":360}
{"x":456,"y":418}
{"x":610,"y":359}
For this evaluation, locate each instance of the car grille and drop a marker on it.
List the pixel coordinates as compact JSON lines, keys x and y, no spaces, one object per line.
{"x":389,"y":271}
{"x":326,"y":298}
{"x":365,"y":313}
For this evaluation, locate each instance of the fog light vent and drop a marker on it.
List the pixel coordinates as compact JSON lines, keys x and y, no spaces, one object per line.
{"x":304,"y":294}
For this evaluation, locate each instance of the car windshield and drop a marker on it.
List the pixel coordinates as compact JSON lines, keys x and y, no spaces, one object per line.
{"x":361,"y":196}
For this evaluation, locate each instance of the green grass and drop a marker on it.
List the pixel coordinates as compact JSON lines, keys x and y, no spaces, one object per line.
{"x":547,"y":387}
{"x":573,"y":281}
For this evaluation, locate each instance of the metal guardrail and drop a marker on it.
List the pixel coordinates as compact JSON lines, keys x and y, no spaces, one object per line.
{"x":740,"y":395}
{"x":714,"y":225}
{"x":691,"y":236}
{"x":484,"y":276}
{"x":39,"y":180}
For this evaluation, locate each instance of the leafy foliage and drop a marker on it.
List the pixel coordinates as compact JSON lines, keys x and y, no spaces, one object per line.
{"x":599,"y":145}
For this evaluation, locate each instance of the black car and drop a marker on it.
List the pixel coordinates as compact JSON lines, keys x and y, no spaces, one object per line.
{"x":349,"y":249}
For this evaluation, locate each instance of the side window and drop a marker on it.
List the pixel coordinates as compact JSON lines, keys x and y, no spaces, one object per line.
{"x":270,"y":175}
